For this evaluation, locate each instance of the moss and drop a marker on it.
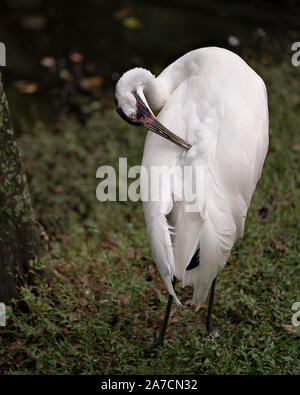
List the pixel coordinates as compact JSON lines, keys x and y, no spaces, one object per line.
{"x":20,"y":241}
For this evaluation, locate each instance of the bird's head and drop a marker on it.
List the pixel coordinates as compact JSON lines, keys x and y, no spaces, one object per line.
{"x":132,"y":105}
{"x":134,"y":109}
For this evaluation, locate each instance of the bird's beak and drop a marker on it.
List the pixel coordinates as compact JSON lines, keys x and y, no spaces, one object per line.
{"x":155,"y":126}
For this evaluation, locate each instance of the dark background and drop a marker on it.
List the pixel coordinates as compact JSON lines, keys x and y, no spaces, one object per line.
{"x":109,"y":37}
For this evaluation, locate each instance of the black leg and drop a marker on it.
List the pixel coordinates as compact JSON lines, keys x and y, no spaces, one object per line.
{"x":210,"y":306}
{"x":162,"y":335}
{"x":160,"y":340}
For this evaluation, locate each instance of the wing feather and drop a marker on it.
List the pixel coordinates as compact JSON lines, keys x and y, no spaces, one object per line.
{"x":221,"y":109}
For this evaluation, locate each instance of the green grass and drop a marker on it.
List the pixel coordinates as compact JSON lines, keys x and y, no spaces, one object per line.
{"x":105,"y":298}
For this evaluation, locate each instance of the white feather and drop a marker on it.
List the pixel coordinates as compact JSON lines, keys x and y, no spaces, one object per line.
{"x":211,"y":98}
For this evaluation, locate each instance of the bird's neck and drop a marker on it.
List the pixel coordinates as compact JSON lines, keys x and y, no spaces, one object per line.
{"x":158,"y":90}
{"x":155,"y":93}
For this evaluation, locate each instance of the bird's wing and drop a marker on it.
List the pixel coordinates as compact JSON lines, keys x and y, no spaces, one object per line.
{"x":158,"y":155}
{"x":220,"y":108}
{"x":227,"y":125}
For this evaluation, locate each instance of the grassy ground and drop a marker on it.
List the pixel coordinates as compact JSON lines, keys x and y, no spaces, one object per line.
{"x":105,"y":297}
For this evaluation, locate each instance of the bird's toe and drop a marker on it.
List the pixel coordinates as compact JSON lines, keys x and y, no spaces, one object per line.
{"x":215,"y":332}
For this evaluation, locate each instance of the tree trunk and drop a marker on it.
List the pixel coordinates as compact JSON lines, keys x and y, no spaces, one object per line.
{"x":21,"y":237}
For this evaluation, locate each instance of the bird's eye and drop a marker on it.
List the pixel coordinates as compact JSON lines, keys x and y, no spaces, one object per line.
{"x":133,"y":116}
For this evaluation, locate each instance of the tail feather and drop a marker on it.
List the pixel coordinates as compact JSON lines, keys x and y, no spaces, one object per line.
{"x":213,"y":255}
{"x":159,"y":234}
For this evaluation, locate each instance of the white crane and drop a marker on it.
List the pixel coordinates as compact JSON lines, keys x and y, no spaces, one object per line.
{"x":216,"y":107}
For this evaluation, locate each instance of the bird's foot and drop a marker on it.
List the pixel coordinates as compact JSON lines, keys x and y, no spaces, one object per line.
{"x":160,"y":341}
{"x":214,"y":332}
